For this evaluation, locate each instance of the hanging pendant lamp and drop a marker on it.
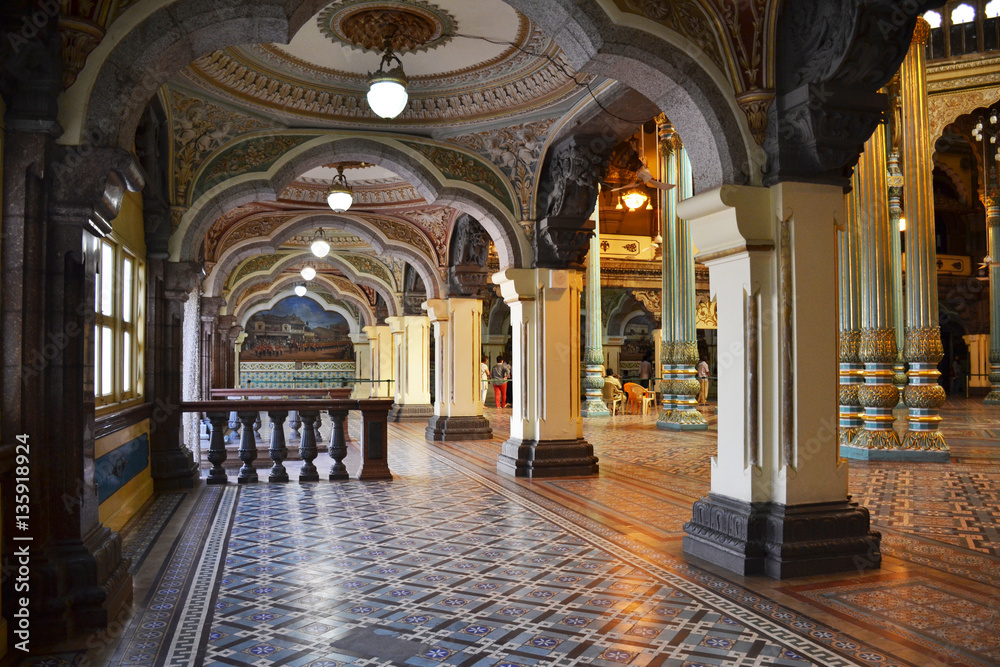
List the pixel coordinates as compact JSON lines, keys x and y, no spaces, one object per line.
{"x":340,"y":196}
{"x":387,"y":94}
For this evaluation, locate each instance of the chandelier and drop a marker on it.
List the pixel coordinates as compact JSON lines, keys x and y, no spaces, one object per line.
{"x":340,"y":196}
{"x":319,"y":245}
{"x":634,"y":199}
{"x":387,"y":87}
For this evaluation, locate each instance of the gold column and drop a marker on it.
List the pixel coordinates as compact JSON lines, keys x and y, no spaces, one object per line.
{"x":895,"y":182}
{"x":922,"y":349}
{"x":851,"y":368}
{"x":993,"y":230}
{"x":877,"y":347}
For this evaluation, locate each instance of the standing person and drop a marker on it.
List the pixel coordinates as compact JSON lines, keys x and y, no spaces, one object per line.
{"x":703,"y":381}
{"x":645,"y":371}
{"x":484,"y":376}
{"x":499,"y":376}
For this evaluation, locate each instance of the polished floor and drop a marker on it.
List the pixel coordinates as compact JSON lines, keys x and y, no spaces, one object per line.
{"x":451,"y":564}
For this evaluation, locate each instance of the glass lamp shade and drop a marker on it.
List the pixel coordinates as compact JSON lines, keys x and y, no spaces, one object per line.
{"x":300,"y":290}
{"x":634,"y":199}
{"x":339,"y":199}
{"x":320,"y":247}
{"x":387,"y":93}
{"x":308,"y":273}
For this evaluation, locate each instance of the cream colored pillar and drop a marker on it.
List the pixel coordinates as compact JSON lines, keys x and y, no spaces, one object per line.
{"x":411,"y":350}
{"x":613,"y":353}
{"x":236,"y":361}
{"x":362,"y":365}
{"x":383,"y":367}
{"x":979,"y":360}
{"x":458,"y":408}
{"x":546,"y":429}
{"x":778,"y":503}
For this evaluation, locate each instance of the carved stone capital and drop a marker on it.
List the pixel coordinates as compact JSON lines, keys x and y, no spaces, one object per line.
{"x":90,"y":182}
{"x":568,"y":188}
{"x":562,"y":243}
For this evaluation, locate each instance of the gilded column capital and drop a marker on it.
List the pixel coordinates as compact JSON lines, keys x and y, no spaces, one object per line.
{"x":921,"y":32}
{"x":923,"y":345}
{"x":850,"y":346}
{"x":878,"y":346}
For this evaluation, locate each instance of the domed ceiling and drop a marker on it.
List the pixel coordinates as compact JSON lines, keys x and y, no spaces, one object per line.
{"x":467,"y":63}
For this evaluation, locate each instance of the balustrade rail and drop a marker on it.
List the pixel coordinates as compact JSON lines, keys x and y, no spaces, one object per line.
{"x":374,"y":436}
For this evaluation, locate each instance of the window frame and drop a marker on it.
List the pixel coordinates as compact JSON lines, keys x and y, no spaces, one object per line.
{"x":115,"y":397}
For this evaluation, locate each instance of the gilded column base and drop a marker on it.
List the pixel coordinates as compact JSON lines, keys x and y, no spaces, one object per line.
{"x":663,"y":418}
{"x":593,"y":382}
{"x":923,"y":398}
{"x":871,"y":439}
{"x":992,"y":398}
{"x":683,"y":420}
{"x":925,"y":440}
{"x":846,"y":435}
{"x":594,"y":408}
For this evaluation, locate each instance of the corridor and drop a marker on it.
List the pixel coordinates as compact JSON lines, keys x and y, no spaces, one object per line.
{"x":451,"y":564}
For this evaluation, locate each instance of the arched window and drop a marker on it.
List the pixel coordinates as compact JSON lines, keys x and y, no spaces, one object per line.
{"x":935,"y":47}
{"x":963,"y":14}
{"x":964,"y":32}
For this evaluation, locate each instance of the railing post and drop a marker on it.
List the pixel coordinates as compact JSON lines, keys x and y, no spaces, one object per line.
{"x":294,"y":423}
{"x":278,"y":450}
{"x":338,"y":445}
{"x":248,"y":448}
{"x":256,"y":428}
{"x":307,"y":446}
{"x":217,"y":448}
{"x":234,"y":424}
{"x":374,"y":440}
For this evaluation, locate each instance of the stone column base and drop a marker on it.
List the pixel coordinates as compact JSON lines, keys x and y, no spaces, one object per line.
{"x":410,"y":412}
{"x":173,"y":470}
{"x":458,"y":428}
{"x":782,"y":541}
{"x":992,"y":398}
{"x":548,"y":458}
{"x":88,"y":585}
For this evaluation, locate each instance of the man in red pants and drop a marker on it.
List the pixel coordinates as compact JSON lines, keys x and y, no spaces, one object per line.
{"x":500,"y":376}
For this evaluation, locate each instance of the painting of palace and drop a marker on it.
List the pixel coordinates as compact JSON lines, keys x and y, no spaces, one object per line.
{"x":297,"y":329}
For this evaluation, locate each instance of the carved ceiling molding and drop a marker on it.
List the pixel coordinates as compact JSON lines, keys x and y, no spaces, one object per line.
{"x":944,"y":109}
{"x":411,"y":27}
{"x":436,"y":223}
{"x":198,"y":129}
{"x":395,"y":194}
{"x":366,"y":265}
{"x":516,"y":150}
{"x":403,"y":232}
{"x":243,"y":156}
{"x":267,"y":82}
{"x":224,"y":235}
{"x":459,"y":166}
{"x":253,"y":265}
{"x":651,"y":300}
{"x":334,"y":301}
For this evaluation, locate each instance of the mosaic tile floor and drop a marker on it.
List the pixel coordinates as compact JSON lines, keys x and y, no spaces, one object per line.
{"x":450,"y":564}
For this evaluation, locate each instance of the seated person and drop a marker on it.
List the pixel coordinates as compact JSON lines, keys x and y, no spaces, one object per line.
{"x":612,"y":387}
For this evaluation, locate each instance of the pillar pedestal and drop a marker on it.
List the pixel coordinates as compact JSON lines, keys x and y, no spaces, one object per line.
{"x":411,"y":343}
{"x":778,"y":503}
{"x":458,"y":410}
{"x":546,"y":429}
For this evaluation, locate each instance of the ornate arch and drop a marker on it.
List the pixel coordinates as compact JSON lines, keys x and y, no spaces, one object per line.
{"x":433,"y":169}
{"x":274,"y":273}
{"x":283,"y":288}
{"x":425,"y":265}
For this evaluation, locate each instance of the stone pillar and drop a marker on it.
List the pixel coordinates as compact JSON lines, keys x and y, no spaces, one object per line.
{"x":191,"y":371}
{"x":362,"y":365}
{"x":383,"y":368}
{"x":593,"y":354}
{"x":778,"y":503}
{"x":458,"y":410}
{"x":922,"y":349}
{"x":851,"y":368}
{"x":877,"y":348}
{"x":411,"y":342}
{"x":546,"y":429}
{"x":993,"y":230}
{"x":237,"y":351}
{"x":680,"y":346}
{"x":209,"y":342}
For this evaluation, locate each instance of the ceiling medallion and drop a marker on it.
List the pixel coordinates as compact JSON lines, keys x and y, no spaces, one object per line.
{"x":410,"y":26}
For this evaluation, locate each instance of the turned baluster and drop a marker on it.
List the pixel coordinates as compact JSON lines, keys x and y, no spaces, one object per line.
{"x":248,"y":448}
{"x":278,"y":450}
{"x":338,"y":445}
{"x":256,"y":428}
{"x":294,"y":423}
{"x":234,"y":425}
{"x":307,"y":447}
{"x":217,"y":448}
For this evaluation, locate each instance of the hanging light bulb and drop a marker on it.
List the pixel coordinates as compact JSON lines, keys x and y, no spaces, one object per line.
{"x":300,"y":290}
{"x":993,"y":119}
{"x":902,"y":224}
{"x":340,"y":196}
{"x":320,"y":246}
{"x":308,"y":273}
{"x":387,"y":88}
{"x":619,"y":206}
{"x":649,"y":205}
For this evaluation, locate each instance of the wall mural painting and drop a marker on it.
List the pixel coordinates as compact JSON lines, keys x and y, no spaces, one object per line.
{"x":297,"y":329}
